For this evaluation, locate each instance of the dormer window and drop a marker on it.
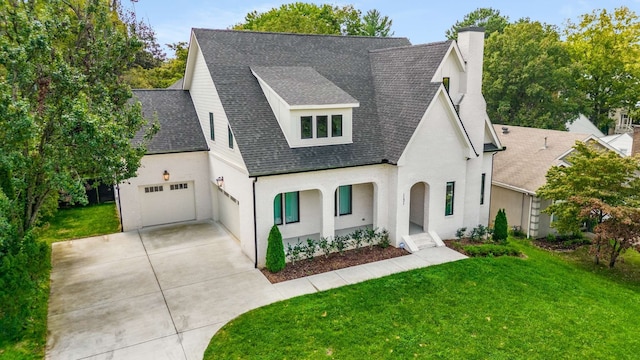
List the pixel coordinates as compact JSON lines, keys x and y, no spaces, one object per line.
{"x":321,"y":127}
{"x":306,"y":127}
{"x":311,"y":110}
{"x":336,"y":125}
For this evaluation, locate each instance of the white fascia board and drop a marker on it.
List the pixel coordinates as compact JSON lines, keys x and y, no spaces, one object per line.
{"x":458,"y":122}
{"x":325,"y":106}
{"x":192,"y":55}
{"x":461,"y":63}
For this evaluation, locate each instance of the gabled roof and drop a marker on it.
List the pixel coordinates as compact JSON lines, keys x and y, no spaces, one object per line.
{"x":179,"y":126}
{"x":403,"y":90}
{"x":524,"y":164}
{"x":302,"y":85}
{"x":381,"y":127}
{"x":583,"y":125}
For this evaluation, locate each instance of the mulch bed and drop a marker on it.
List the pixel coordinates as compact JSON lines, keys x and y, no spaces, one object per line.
{"x":459,"y":244}
{"x":556,"y":246}
{"x":335,"y":261}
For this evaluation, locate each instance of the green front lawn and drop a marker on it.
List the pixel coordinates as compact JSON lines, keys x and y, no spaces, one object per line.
{"x":540,"y":307}
{"x":81,"y":222}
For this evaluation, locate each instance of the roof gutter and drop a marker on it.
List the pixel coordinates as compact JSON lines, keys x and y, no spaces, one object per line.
{"x":383,"y":161}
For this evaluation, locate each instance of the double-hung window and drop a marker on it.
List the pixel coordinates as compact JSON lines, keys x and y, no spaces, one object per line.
{"x":448,"y":205}
{"x":343,"y":200}
{"x":286,"y":208}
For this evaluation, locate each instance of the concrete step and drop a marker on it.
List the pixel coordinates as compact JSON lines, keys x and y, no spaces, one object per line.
{"x":423,"y":241}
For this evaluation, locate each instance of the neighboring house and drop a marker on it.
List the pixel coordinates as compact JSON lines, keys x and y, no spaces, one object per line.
{"x":320,"y":135}
{"x":519,"y":171}
{"x":620,"y":141}
{"x":582,"y":125}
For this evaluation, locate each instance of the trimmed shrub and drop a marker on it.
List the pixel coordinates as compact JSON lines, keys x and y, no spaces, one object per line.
{"x":275,"y":251}
{"x":501,"y":229}
{"x":485,"y":250}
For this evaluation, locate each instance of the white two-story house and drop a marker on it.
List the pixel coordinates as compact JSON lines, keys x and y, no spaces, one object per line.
{"x":319,"y":135}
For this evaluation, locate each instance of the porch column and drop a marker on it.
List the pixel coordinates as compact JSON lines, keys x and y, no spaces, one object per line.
{"x":328,"y":222}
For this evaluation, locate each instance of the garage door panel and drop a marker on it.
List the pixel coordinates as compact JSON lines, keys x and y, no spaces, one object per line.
{"x":229,"y":212}
{"x":167,"y":203}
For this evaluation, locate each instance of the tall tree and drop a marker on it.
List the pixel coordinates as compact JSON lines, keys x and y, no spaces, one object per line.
{"x":374,"y":24}
{"x":529,"y":79}
{"x":65,"y":114}
{"x":487,"y":18}
{"x":170,"y":71}
{"x":594,"y":174}
{"x":308,"y":18}
{"x":606,"y":45}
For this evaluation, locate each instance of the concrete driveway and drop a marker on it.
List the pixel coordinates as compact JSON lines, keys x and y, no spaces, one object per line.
{"x":163,"y":292}
{"x":160,"y":293}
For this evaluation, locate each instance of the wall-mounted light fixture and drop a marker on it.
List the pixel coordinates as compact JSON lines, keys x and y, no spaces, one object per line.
{"x":220,"y":181}
{"x":165,"y":175}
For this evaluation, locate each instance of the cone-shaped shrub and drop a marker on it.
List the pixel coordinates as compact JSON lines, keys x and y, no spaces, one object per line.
{"x":275,"y":251}
{"x":501,"y":230}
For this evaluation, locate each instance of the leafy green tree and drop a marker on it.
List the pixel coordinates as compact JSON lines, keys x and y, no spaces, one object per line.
{"x":529,"y":78}
{"x":162,"y":76}
{"x":501,"y":227}
{"x":487,"y":18}
{"x":606,"y":46}
{"x":65,"y":113}
{"x":275,"y":251}
{"x":594,"y":175}
{"x":308,"y":18}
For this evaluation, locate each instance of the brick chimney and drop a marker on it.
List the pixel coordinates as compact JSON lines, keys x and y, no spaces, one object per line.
{"x":635,"y":147}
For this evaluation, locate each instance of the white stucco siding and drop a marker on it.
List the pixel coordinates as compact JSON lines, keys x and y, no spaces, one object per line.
{"x":435,"y":155}
{"x":206,"y":100}
{"x":319,"y":187}
{"x":184,"y":168}
{"x":451,"y":68}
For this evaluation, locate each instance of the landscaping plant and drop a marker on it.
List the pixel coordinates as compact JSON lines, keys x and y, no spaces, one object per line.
{"x":501,"y":228}
{"x":275,"y":251}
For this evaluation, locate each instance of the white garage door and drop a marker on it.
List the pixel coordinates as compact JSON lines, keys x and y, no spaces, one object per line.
{"x":229,"y":212}
{"x":167,"y":203}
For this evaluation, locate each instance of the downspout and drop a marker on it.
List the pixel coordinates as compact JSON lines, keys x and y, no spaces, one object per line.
{"x":529,"y":221}
{"x":255,"y":225}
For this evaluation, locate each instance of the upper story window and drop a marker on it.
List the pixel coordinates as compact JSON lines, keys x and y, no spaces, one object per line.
{"x":230,"y":134}
{"x":336,"y":125}
{"x":318,"y":126}
{"x":211,"y":127}
{"x":306,"y":127}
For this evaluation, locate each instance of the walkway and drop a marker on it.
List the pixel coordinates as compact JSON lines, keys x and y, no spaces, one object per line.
{"x":162,"y":293}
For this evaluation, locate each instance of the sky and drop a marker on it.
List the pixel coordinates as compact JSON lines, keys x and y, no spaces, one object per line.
{"x":420,"y":21}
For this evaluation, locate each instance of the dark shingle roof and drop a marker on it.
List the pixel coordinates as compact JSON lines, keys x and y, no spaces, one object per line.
{"x":179,"y":126}
{"x":302,"y":85}
{"x":404,"y":90}
{"x":345,"y":61}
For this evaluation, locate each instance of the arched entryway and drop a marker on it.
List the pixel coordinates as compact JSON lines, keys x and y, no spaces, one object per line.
{"x":419,"y":208}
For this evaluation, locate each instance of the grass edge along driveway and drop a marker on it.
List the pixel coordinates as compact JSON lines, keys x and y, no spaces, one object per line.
{"x":499,"y":308}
